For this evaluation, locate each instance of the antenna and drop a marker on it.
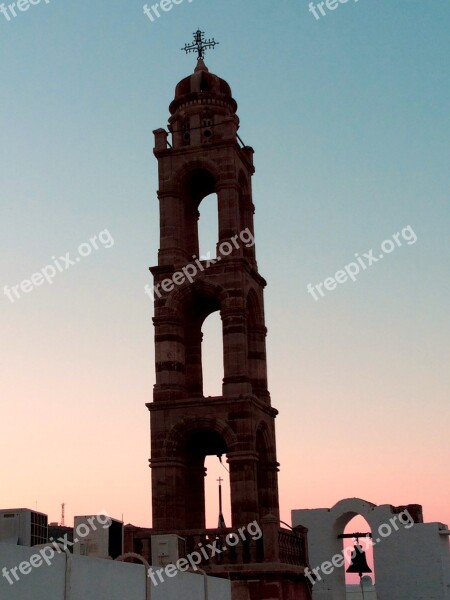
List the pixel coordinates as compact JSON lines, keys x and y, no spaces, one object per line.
{"x":63,"y":510}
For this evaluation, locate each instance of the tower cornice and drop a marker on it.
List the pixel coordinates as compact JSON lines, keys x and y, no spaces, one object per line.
{"x":214,"y":401}
{"x":245,"y":152}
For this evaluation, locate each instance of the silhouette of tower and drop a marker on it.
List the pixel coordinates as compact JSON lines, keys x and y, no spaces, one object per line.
{"x":206,"y":157}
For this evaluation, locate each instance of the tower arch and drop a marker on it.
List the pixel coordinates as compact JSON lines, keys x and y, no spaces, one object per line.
{"x":176,"y":438}
{"x":187,"y":445}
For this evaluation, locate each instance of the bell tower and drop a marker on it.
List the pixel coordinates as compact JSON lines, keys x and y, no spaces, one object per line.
{"x":206,"y":156}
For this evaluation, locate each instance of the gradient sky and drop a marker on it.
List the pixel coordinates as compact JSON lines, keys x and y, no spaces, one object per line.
{"x":349,"y":119}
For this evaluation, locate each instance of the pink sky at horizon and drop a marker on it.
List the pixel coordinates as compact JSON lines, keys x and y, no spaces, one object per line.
{"x":91,"y":450}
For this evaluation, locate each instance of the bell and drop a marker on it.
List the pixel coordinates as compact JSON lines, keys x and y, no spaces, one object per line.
{"x":359,"y":563}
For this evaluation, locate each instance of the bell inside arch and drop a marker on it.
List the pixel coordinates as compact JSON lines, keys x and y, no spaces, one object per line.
{"x":359,"y":562}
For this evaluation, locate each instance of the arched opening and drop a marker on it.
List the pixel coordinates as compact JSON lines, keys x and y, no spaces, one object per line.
{"x":208,"y":227}
{"x":202,"y":448}
{"x":358,"y":524}
{"x":198,"y":306}
{"x":212,"y":355}
{"x":215,"y":471}
{"x":197,"y":185}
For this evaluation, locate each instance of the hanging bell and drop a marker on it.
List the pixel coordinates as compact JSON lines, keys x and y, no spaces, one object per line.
{"x":359,"y":563}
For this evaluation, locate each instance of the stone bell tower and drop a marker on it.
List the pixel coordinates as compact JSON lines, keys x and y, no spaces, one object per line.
{"x":205,"y":156}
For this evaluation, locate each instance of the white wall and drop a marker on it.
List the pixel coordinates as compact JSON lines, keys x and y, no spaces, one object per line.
{"x":410,"y":564}
{"x":354,"y":593}
{"x":28,"y":588}
{"x":97,"y":579}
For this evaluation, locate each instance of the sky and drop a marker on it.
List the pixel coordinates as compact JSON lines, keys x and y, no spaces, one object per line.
{"x":348,"y":116}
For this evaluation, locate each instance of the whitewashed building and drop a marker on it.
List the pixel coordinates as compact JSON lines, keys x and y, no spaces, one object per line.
{"x":27,"y":575}
{"x":411,"y":558}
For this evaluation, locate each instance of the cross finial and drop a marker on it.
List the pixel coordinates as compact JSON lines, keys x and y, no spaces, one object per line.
{"x":200,"y":44}
{"x":220,"y":480}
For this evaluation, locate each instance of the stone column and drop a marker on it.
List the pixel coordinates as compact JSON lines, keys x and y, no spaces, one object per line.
{"x":168,"y":476}
{"x":172,"y":222}
{"x":194,"y":371}
{"x":236,"y":380}
{"x":270,"y":527}
{"x":195,"y":495}
{"x":268,"y":492}
{"x":243,"y":484}
{"x":229,"y":217}
{"x":169,"y":358}
{"x":257,"y":359}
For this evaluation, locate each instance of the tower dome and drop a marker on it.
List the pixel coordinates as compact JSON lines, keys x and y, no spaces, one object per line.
{"x":204,"y":86}
{"x":203,"y":109}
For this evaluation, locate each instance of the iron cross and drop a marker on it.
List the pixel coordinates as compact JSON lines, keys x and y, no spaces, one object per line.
{"x":200,"y":44}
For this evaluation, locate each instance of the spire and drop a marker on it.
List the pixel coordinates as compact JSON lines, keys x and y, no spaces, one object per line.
{"x":221,"y":523}
{"x":201,"y":66}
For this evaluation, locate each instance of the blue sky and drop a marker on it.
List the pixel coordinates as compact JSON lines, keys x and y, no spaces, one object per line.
{"x":349,"y":119}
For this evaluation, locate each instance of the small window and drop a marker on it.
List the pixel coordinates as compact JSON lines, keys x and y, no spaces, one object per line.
{"x":186,"y":133}
{"x":207,"y":128}
{"x":204,"y":84}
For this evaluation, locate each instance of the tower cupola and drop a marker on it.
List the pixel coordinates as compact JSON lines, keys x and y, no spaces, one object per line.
{"x":203,"y":109}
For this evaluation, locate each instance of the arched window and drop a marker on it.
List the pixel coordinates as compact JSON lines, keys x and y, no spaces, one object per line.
{"x":201,"y":450}
{"x":186,"y":131}
{"x":207,"y":126}
{"x":196,"y":189}
{"x":198,"y":306}
{"x":208,"y":227}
